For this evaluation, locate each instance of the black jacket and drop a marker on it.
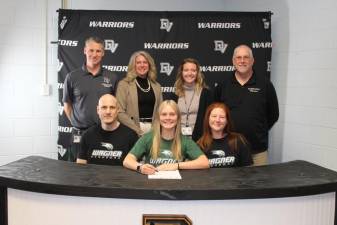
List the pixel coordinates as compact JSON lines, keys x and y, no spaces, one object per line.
{"x":253,"y":106}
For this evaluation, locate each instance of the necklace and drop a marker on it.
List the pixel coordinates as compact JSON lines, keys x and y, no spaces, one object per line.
{"x":142,"y":89}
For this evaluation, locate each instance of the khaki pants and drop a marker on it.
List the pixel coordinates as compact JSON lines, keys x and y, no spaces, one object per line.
{"x":260,"y":159}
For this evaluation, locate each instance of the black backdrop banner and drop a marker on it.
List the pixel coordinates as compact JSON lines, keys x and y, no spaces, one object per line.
{"x":209,"y":37}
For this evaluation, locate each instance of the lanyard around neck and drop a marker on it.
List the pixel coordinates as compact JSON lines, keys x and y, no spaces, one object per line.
{"x":188,"y":108}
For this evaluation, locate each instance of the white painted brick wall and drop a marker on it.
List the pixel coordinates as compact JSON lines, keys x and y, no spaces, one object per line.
{"x":310,"y":120}
{"x":27,"y":119}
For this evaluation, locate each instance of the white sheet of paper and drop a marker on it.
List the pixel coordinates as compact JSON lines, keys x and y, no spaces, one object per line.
{"x":174,"y":174}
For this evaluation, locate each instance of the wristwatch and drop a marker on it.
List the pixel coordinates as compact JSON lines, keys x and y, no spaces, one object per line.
{"x":139,"y":168}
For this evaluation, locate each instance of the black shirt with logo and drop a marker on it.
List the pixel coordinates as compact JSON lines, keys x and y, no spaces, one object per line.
{"x":253,"y":106}
{"x":221,"y":156}
{"x":99,"y":146}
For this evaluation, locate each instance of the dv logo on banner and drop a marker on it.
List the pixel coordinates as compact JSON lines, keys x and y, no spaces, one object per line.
{"x":169,"y":37}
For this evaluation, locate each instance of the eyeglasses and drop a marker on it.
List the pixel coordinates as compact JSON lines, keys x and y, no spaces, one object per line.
{"x":242,"y":58}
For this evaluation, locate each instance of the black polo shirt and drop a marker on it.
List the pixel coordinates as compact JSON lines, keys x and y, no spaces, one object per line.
{"x":83,"y":91}
{"x":253,"y":106}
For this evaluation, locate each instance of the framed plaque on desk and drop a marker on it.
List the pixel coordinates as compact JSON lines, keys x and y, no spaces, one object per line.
{"x":166,"y":219}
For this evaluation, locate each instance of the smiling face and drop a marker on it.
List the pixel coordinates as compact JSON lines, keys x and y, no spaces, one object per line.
{"x":107,"y":110}
{"x":189,"y":73}
{"x":94,"y":53}
{"x":243,"y":60}
{"x":217,"y":120}
{"x":141,"y":66}
{"x":168,"y":118}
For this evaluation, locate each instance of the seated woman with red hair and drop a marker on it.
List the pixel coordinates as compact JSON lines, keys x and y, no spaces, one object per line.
{"x":222,"y":146}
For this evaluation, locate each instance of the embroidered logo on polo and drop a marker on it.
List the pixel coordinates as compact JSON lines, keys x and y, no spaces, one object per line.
{"x":110,"y":45}
{"x":165,"y":67}
{"x":165,"y":24}
{"x":254,"y":90}
{"x":220,"y":46}
{"x":106,"y":82}
{"x":106,"y":154}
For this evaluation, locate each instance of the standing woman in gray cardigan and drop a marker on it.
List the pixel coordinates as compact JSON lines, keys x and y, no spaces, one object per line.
{"x":139,"y":94}
{"x":193,"y":97}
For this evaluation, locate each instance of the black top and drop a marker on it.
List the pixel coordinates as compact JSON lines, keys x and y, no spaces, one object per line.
{"x":221,"y":155}
{"x":296,"y":178}
{"x":146,"y":100}
{"x":206,"y":98}
{"x":99,"y":146}
{"x":253,"y":106}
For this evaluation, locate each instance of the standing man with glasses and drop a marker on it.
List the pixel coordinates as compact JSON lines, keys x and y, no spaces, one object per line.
{"x":252,"y":101}
{"x":82,"y":89}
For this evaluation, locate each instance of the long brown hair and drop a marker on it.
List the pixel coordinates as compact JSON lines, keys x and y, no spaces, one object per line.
{"x":199,"y":82}
{"x":206,"y":139}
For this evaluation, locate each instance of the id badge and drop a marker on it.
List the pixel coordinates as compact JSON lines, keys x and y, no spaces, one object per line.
{"x":145,"y":127}
{"x":186,"y":131}
{"x":77,"y":139}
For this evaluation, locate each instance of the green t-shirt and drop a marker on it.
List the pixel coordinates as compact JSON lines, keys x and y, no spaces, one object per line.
{"x":189,"y":150}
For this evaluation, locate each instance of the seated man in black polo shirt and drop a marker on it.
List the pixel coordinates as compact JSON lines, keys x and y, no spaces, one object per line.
{"x":109,"y":142}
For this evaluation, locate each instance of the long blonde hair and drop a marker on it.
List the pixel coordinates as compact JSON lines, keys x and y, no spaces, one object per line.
{"x":199,"y":82}
{"x":176,"y":144}
{"x":131,"y":74}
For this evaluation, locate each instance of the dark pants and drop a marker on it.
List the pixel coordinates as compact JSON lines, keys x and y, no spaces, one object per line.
{"x":76,"y":136}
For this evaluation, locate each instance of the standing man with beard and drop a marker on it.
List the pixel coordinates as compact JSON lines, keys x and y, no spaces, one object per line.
{"x":109,"y":142}
{"x":82,"y":89}
{"x":252,"y":101}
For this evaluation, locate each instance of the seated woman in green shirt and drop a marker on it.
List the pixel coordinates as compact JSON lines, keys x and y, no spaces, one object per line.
{"x":164,"y":147}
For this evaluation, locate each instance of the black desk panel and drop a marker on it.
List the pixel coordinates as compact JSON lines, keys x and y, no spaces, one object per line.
{"x":44,"y":175}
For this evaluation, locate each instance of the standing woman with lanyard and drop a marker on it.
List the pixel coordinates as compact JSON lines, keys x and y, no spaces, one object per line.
{"x":139,"y":94}
{"x":192,"y":96}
